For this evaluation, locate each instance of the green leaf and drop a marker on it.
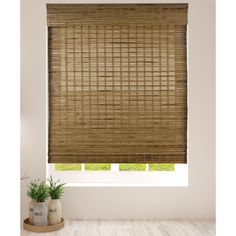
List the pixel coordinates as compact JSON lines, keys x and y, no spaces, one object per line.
{"x":55,"y":188}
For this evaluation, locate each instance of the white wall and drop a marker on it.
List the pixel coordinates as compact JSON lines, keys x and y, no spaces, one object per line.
{"x":195,"y":201}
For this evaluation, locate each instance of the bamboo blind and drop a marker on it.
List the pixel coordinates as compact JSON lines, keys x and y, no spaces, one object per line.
{"x":117,"y":83}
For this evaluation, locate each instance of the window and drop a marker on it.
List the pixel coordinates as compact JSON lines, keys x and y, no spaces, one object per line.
{"x":128,"y":174}
{"x":117,"y":83}
{"x":109,"y":167}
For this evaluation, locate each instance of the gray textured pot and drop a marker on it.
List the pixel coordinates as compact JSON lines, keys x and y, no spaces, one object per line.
{"x":40,"y":216}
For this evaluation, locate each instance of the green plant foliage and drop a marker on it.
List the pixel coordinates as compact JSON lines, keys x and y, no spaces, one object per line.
{"x":161,"y":167}
{"x":38,"y":191}
{"x":55,"y":188}
{"x":32,"y":188}
{"x":132,"y":167}
{"x":68,"y":167}
{"x":97,"y":167}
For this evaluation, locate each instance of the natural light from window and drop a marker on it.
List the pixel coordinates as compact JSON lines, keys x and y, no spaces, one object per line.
{"x":123,"y":174}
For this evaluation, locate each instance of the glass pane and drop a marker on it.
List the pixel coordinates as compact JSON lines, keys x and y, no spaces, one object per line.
{"x":161,"y":167}
{"x":67,"y":167}
{"x":97,"y":167}
{"x":132,"y":167}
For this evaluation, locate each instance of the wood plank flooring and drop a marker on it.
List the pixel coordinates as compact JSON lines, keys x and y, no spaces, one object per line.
{"x":133,"y":228}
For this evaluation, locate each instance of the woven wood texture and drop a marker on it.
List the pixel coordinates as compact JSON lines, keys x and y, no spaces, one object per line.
{"x":116,"y":14}
{"x":117,"y":83}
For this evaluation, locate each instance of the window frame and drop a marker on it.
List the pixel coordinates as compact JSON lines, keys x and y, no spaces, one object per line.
{"x":177,"y":178}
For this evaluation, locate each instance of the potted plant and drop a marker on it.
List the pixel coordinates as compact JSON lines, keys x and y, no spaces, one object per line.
{"x":40,"y":210}
{"x":55,"y":189}
{"x":31,"y":193}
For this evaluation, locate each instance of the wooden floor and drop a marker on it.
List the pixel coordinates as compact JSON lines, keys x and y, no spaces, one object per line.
{"x":133,"y":228}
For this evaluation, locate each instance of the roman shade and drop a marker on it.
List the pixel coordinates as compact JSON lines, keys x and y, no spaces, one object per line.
{"x":117,"y":83}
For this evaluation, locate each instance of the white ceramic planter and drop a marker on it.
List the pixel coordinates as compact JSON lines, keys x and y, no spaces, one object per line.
{"x":54,"y":212}
{"x":31,"y":210}
{"x":40,"y":216}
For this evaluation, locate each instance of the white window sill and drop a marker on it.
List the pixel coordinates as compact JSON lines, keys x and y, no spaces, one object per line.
{"x":124,"y":185}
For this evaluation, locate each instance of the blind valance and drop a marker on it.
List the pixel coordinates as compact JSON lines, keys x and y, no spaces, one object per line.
{"x":122,"y":14}
{"x":117,"y":83}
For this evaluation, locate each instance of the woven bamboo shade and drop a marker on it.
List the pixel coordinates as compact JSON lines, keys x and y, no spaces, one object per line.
{"x":117,"y":83}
